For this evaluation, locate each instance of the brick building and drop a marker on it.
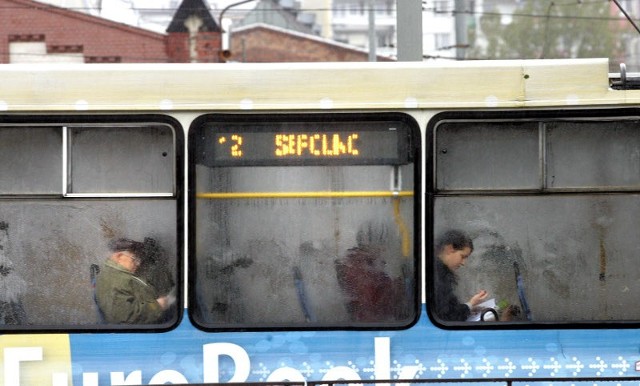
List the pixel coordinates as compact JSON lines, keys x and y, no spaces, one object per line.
{"x":31,"y":31}
{"x":193,"y":35}
{"x":261,"y":43}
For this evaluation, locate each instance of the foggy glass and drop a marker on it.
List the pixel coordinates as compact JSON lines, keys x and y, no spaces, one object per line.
{"x":47,"y":262}
{"x":487,"y":155}
{"x":30,"y":160}
{"x":265,"y":260}
{"x":572,"y":247}
{"x":50,"y":244}
{"x":121,"y":159}
{"x":575,"y":253}
{"x":255,"y":256}
{"x":604,"y":154}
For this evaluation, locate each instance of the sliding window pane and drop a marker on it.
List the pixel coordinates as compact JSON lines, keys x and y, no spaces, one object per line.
{"x":487,"y":155}
{"x":136,"y":159}
{"x":593,"y":155}
{"x":31,"y":160}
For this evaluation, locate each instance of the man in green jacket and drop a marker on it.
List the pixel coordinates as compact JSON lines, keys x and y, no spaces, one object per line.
{"x":123,"y":297}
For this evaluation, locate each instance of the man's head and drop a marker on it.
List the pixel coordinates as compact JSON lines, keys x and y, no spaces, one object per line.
{"x":127,"y":253}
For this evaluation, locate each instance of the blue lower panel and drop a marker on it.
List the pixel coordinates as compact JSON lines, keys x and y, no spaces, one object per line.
{"x":187,"y":355}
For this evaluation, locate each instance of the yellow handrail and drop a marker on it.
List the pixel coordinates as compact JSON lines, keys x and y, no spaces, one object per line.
{"x":402,"y":227}
{"x":321,"y":194}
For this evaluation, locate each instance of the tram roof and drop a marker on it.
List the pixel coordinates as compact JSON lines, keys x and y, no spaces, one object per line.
{"x":308,"y":86}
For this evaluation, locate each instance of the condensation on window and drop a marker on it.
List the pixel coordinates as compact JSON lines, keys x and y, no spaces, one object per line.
{"x":47,"y":249}
{"x":121,"y":159}
{"x":487,"y":156}
{"x":30,"y":160}
{"x":52,"y":246}
{"x":575,"y":253}
{"x":562,"y":252}
{"x":593,"y":155}
{"x":295,"y":261}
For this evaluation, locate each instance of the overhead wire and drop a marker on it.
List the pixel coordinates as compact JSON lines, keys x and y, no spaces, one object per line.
{"x":626,"y":15}
{"x":362,"y":10}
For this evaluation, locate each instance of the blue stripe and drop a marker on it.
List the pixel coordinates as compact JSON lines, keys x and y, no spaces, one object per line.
{"x":423,"y":351}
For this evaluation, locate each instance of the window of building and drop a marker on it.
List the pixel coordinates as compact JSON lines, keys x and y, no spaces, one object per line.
{"x":442,"y":7}
{"x":442,"y":41}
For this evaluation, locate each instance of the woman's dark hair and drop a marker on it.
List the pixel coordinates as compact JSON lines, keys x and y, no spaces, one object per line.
{"x":456,"y":238}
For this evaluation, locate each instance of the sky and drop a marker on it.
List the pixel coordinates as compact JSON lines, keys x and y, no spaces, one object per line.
{"x":219,"y":4}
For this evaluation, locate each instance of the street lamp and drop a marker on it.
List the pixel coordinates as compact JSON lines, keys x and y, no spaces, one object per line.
{"x":226,"y":35}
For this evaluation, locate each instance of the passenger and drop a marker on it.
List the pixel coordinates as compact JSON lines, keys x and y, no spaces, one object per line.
{"x":372,"y":295}
{"x":452,"y":250}
{"x":123,"y":297}
{"x":12,"y":286}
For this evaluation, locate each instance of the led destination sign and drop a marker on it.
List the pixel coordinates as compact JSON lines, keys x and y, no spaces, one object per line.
{"x":353,"y":145}
{"x":304,"y":143}
{"x":292,"y":145}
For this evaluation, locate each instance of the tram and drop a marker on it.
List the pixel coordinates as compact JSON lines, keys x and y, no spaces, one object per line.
{"x":293,"y":214}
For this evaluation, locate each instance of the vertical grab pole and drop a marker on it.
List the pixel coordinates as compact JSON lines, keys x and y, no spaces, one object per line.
{"x":396,"y":186}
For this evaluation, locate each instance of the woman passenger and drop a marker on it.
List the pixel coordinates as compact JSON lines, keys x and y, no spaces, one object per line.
{"x":452,"y":250}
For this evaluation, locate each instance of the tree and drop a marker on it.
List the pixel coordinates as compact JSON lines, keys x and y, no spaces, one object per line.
{"x":552,"y":29}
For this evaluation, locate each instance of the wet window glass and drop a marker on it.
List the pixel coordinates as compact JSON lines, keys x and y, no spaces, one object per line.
{"x":56,"y":249}
{"x":464,"y":153}
{"x":593,"y":155}
{"x":30,"y":160}
{"x":304,"y":221}
{"x":103,"y":159}
{"x":561,"y":255}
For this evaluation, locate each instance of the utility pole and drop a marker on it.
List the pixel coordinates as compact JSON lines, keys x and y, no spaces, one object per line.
{"x":461,"y":29}
{"x":373,"y":44}
{"x":409,"y":30}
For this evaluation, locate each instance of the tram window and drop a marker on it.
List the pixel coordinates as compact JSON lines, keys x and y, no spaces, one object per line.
{"x":30,"y":160}
{"x":585,"y":155}
{"x":561,"y":255}
{"x":464,"y":154}
{"x":103,"y":159}
{"x":53,"y":244}
{"x":314,"y":240}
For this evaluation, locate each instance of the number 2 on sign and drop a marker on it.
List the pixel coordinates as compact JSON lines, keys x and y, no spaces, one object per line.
{"x":236,"y":147}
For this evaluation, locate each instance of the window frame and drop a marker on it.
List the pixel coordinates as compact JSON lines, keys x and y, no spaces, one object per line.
{"x":64,"y":121}
{"x":67,"y":139}
{"x":415,"y":152}
{"x":432,"y":192}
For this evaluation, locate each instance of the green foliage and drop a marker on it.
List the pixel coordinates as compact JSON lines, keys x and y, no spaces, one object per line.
{"x":553,"y":29}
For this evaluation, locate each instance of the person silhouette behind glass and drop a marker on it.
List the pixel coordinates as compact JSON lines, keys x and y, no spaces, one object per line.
{"x":123,"y":297}
{"x":452,"y":250}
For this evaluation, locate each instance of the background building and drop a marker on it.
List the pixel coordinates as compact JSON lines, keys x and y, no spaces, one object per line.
{"x":37,"y":32}
{"x":266,"y":43}
{"x":272,"y":31}
{"x":451,"y":30}
{"x":350,"y":21}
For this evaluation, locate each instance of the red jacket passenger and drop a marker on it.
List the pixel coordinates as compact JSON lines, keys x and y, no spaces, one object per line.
{"x":371,"y":293}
